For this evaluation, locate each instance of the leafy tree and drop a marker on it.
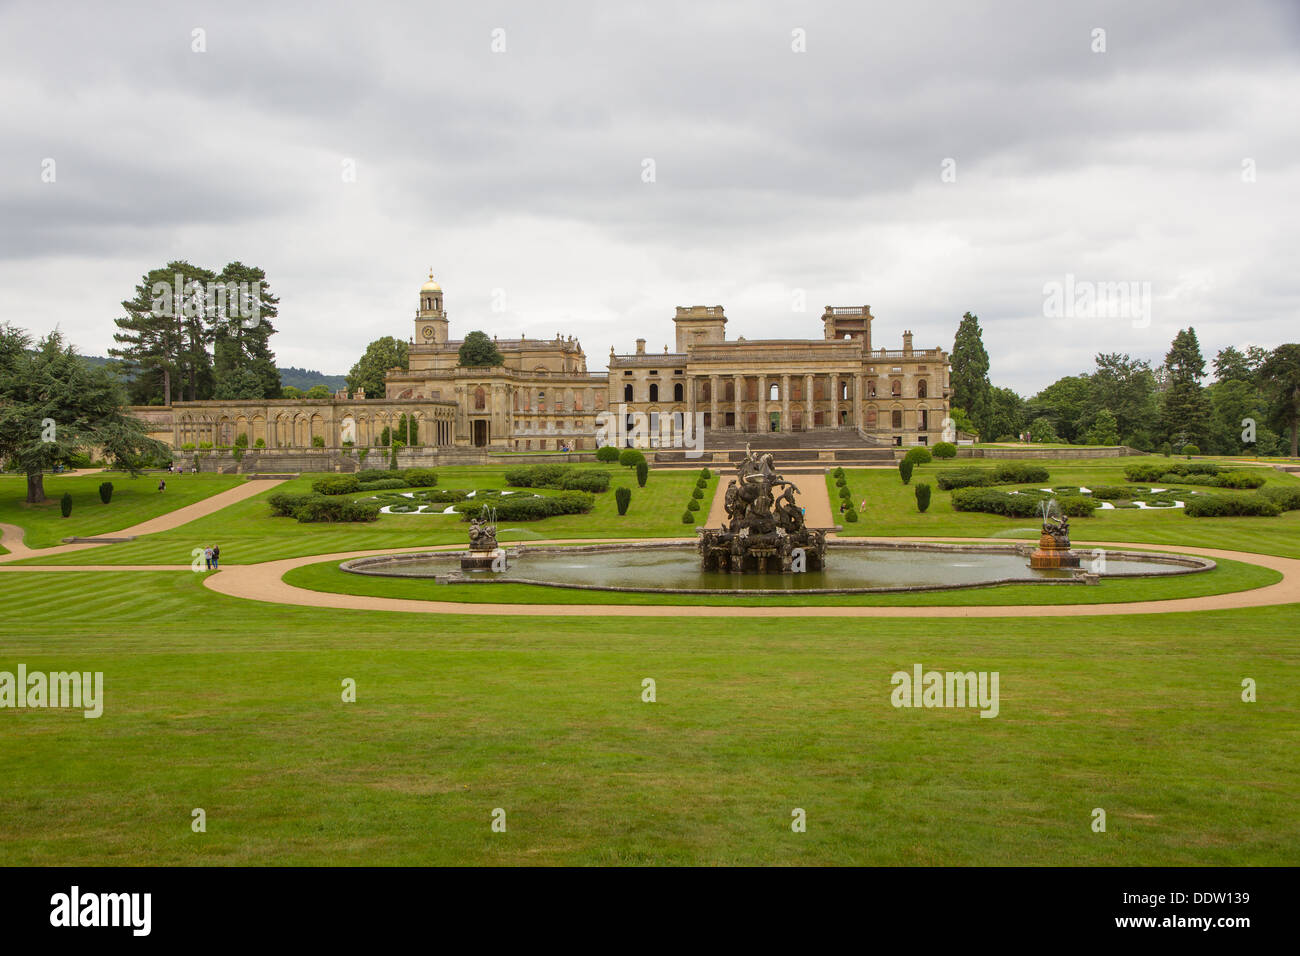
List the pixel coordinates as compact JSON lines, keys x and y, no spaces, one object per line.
{"x":289,"y":391}
{"x":478,"y":350}
{"x":1124,"y":387}
{"x":1008,"y":414}
{"x":1280,"y":375}
{"x":400,"y":433}
{"x":317,"y":391}
{"x":1186,"y":412}
{"x":970,"y":374}
{"x":240,"y":332}
{"x":380,"y":357}
{"x":1063,"y":405}
{"x":54,"y":406}
{"x":1043,"y":430}
{"x":163,"y":335}
{"x":1104,"y":430}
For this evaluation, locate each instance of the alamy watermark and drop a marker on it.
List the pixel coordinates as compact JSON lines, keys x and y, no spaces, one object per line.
{"x":191,"y":299}
{"x":624,"y":429}
{"x":922,"y":688}
{"x":1073,"y":298}
{"x":79,"y":690}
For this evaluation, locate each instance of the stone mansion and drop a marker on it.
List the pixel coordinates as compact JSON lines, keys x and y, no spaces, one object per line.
{"x":543,"y":398}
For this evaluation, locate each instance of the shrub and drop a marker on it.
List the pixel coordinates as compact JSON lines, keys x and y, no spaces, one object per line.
{"x":1190,"y":450}
{"x":420,"y":477}
{"x":1143,"y":472}
{"x":623,"y":497}
{"x":705,"y":474}
{"x":1170,"y":473}
{"x":607,"y":453}
{"x":918,"y":455}
{"x":531,"y":508}
{"x":1286,"y":497}
{"x":851,"y":516}
{"x":630,"y":457}
{"x":106,"y":492}
{"x":845,"y":493}
{"x":963,"y":478}
{"x":376,"y":474}
{"x":1232,"y":506}
{"x":1240,"y":479}
{"x":285,"y":503}
{"x":1077,"y":506}
{"x":841,"y":481}
{"x":701,"y":484}
{"x":691,"y":505}
{"x":697,"y":492}
{"x":241,"y":440}
{"x":991,"y":501}
{"x":260,"y":443}
{"x":688,"y":517}
{"x":642,"y":473}
{"x":447,"y":495}
{"x":1166,"y":449}
{"x":65,"y":504}
{"x":905,"y":470}
{"x":337,"y":485}
{"x":945,"y":449}
{"x":560,"y":477}
{"x":1114,"y":492}
{"x":922,"y":496}
{"x":327,"y":508}
{"x":381,"y":484}
{"x":838,"y":473}
{"x":317,"y":441}
{"x":1018,"y":473}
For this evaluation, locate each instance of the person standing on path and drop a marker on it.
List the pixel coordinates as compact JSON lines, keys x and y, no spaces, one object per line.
{"x":216,"y":556}
{"x":207,"y":558}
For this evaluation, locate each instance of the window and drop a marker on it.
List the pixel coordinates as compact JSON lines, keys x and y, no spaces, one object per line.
{"x":774,"y":392}
{"x":627,"y":374}
{"x":896,"y":417}
{"x":654,"y":393}
{"x":480,"y":399}
{"x":678,"y":392}
{"x":921,"y":389}
{"x":896,"y":388}
{"x":627,"y":392}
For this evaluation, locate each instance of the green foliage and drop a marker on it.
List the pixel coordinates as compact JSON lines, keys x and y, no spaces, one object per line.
{"x":241,"y":440}
{"x":1286,"y":497}
{"x":920,"y":455}
{"x":837,"y":474}
{"x":420,"y":477}
{"x":336,"y":485}
{"x":845,"y":494}
{"x":945,"y":449}
{"x":382,"y":484}
{"x":479,"y":351}
{"x":851,"y":516}
{"x":317,"y":441}
{"x":1006,"y":473}
{"x":688,"y":517}
{"x":1104,"y":430}
{"x":1166,"y":449}
{"x":106,"y":491}
{"x":705,"y":474}
{"x":407,"y":431}
{"x":905,"y":470}
{"x":1190,"y":450}
{"x":922,"y":496}
{"x":972,"y":390}
{"x":521,"y":508}
{"x":607,"y":453}
{"x":697,"y":493}
{"x":1018,"y":505}
{"x":314,"y":508}
{"x":692,"y":505}
{"x":1233,"y":505}
{"x":1018,"y":473}
{"x":642,"y":473}
{"x":565,"y":477}
{"x":1043,"y":430}
{"x":630,"y":457}
{"x":380,"y":357}
{"x":65,"y":504}
{"x":1170,"y":473}
{"x":623,"y":497}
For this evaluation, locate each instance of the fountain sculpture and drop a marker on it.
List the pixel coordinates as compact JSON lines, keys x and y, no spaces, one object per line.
{"x":484,"y":553}
{"x":1053,"y":549}
{"x":764,"y":530}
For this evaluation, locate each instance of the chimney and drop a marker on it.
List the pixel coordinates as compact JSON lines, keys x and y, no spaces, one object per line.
{"x":640,"y":346}
{"x":907,"y":342}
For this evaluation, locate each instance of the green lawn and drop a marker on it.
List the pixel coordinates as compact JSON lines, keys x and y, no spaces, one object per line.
{"x":134,"y":500}
{"x":1227,"y":576}
{"x":235,"y":707}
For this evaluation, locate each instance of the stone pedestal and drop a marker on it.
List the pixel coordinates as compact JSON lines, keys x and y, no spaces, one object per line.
{"x":482,"y":560}
{"x":1052,"y":553}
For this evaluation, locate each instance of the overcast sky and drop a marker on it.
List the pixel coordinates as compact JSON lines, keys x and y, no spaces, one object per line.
{"x":519,"y":175}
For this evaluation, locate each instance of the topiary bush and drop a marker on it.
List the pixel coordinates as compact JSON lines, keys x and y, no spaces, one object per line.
{"x":1018,"y":473}
{"x":106,"y":492}
{"x":642,"y":473}
{"x":837,"y":473}
{"x":918,"y":455}
{"x":963,"y":478}
{"x":705,"y":474}
{"x":630,"y":457}
{"x":531,"y":508}
{"x":692,"y":505}
{"x":688,"y":517}
{"x":327,"y":508}
{"x":845,"y":493}
{"x":945,"y":449}
{"x":382,"y":484}
{"x":1232,"y":506}
{"x":1240,"y":479}
{"x":851,"y":516}
{"x":922,"y":496}
{"x":905,"y":470}
{"x":607,"y":453}
{"x":622,"y":498}
{"x":1190,"y":450}
{"x":1286,"y":497}
{"x":336,"y":485}
{"x":65,"y":504}
{"x":560,"y":477}
{"x":697,"y":492}
{"x":1166,"y":449}
{"x":420,"y":477}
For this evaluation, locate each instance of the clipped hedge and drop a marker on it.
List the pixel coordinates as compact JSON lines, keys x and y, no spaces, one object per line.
{"x":918,"y":455}
{"x":1232,"y":505}
{"x":1286,"y":497}
{"x":285,"y":503}
{"x":945,"y":449}
{"x":420,"y":477}
{"x":1018,"y":473}
{"x":336,"y":485}
{"x":992,"y":501}
{"x":1142,"y":472}
{"x":905,"y":470}
{"x":533,"y":508}
{"x":382,"y":484}
{"x":560,"y":477}
{"x":106,"y":491}
{"x":952,"y":478}
{"x":607,"y":453}
{"x":623,"y":497}
{"x":327,"y":508}
{"x":922,"y":496}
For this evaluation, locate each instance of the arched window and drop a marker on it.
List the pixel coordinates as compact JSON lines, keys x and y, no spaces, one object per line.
{"x":774,"y":392}
{"x":654,"y":393}
{"x":480,"y":399}
{"x":896,"y":388}
{"x":627,"y":393}
{"x":921,"y":389}
{"x":897,"y":418}
{"x":678,"y":392}
{"x":844,"y":391}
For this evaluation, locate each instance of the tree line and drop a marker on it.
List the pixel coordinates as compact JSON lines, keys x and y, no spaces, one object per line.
{"x":1251,"y":406}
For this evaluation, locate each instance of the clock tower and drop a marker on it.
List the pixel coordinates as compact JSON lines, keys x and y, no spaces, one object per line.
{"x":431,"y":318}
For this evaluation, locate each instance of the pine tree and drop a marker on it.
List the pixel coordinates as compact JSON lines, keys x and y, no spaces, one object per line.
{"x":1186,"y":412}
{"x":972,"y":390}
{"x":1281,"y":377}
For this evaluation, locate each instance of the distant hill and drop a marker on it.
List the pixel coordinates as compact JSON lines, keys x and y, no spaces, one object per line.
{"x":302,"y":378}
{"x":305,"y":378}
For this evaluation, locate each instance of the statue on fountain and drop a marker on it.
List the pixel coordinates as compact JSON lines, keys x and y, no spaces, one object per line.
{"x":1053,"y":549}
{"x":764,"y":529}
{"x":484,"y":552}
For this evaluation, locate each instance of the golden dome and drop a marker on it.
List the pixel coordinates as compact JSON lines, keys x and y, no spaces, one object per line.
{"x":431,"y":286}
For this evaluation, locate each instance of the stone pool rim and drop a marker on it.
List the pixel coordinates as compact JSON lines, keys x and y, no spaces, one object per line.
{"x":1186,"y":564}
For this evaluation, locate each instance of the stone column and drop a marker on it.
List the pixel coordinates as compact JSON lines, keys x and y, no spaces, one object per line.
{"x":857,"y":401}
{"x":808,"y":402}
{"x":835,"y":399}
{"x":764,"y":425}
{"x":739,"y":397}
{"x":713,"y":401}
{"x":691,"y":385}
{"x":785,"y":403}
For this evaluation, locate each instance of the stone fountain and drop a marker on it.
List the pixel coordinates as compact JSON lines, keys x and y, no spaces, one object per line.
{"x":764,"y":530}
{"x":1053,"y":549}
{"x":484,"y":553}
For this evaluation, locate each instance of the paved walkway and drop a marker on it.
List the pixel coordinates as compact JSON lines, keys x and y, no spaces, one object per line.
{"x":11,"y":536}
